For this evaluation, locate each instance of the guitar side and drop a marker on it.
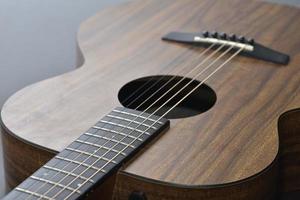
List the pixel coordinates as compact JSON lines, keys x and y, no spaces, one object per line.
{"x":289,"y":153}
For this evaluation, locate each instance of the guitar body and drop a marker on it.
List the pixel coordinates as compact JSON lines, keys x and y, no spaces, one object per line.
{"x":245,"y":146}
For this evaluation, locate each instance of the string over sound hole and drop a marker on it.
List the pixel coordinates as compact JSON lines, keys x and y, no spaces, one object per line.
{"x":150,"y":93}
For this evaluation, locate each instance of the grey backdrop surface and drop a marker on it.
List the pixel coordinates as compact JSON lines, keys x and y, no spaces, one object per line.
{"x":38,"y":40}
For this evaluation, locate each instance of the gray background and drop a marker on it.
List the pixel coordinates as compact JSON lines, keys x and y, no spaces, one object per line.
{"x":38,"y":40}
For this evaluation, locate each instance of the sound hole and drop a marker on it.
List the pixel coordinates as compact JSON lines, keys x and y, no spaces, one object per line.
{"x":139,"y":94}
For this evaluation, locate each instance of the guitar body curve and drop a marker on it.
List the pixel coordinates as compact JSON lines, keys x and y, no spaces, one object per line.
{"x":231,"y":151}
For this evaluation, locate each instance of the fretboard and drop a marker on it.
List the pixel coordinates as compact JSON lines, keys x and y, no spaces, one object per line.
{"x":90,"y":159}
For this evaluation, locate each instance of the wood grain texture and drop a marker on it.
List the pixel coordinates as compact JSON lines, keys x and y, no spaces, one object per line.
{"x":289,"y":153}
{"x":234,"y":140}
{"x":259,"y":187}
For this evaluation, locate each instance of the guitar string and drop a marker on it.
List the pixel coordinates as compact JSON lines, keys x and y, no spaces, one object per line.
{"x":138,"y":116}
{"x":124,"y":102}
{"x":148,"y":81}
{"x":142,"y":122}
{"x":165,"y":84}
{"x":57,"y":173}
{"x":173,"y":77}
{"x":182,"y":99}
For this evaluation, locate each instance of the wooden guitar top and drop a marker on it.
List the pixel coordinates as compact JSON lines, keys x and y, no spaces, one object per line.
{"x":235,"y":139}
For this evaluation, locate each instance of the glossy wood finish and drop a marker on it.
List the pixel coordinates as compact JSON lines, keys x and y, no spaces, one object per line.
{"x":236,"y":139}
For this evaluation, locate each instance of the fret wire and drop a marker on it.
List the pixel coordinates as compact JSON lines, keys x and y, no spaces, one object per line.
{"x":128,"y":120}
{"x":33,"y":193}
{"x":54,"y":183}
{"x":126,"y":113}
{"x":66,"y":172}
{"x":81,"y":163}
{"x":112,"y":131}
{"x":130,"y":136}
{"x":120,"y":125}
{"x":86,"y":153}
{"x":103,"y":147}
{"x":113,"y":140}
{"x":97,"y":145}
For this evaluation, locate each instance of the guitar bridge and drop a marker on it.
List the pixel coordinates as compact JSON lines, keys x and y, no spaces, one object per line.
{"x":249,"y":46}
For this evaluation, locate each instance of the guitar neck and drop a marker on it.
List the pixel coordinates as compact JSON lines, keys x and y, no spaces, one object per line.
{"x":94,"y":156}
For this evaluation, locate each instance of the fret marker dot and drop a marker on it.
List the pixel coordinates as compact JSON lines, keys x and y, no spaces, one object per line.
{"x":45,"y":174}
{"x":79,"y":184}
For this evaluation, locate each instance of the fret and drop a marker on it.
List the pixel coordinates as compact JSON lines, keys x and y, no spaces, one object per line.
{"x":66,"y":172}
{"x":141,"y":125}
{"x":55,"y":184}
{"x":129,"y":120}
{"x":108,"y":139}
{"x":117,"y":132}
{"x":92,"y":148}
{"x":102,"y":147}
{"x":112,"y":139}
{"x":33,"y":193}
{"x":89,"y":154}
{"x":103,"y":141}
{"x":135,"y":115}
{"x":122,"y":126}
{"x":83,"y":164}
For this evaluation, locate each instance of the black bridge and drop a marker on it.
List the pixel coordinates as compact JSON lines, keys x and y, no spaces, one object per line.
{"x":94,"y":156}
{"x":250,"y":47}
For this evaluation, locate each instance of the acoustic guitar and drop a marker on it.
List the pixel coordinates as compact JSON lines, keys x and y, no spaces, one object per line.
{"x":173,"y":101}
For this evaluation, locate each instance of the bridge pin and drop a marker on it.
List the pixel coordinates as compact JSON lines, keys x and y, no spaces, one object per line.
{"x":242,"y":39}
{"x":251,"y":41}
{"x":223,"y":36}
{"x":214,"y":34}
{"x":232,"y":37}
{"x":205,"y":33}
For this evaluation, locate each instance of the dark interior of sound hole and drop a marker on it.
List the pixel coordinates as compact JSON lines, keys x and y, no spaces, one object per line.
{"x":139,"y":94}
